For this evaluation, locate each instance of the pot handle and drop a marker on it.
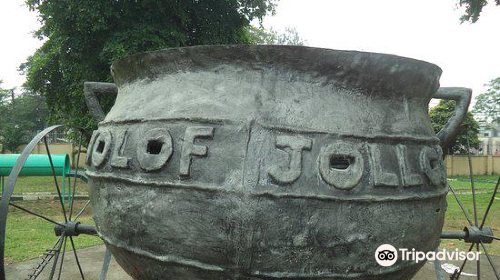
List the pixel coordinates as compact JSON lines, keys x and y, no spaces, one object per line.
{"x":91,"y":90}
{"x":462,"y":97}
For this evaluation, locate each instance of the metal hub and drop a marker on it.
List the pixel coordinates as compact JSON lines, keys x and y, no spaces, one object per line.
{"x":73,"y":228}
{"x":471,"y":234}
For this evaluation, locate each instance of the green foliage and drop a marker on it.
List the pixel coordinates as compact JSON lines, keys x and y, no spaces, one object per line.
{"x":473,"y":9}
{"x":487,"y":107}
{"x":12,"y":138}
{"x":4,"y":93}
{"x":18,"y":118}
{"x":84,"y":37}
{"x":262,"y":36}
{"x":440,"y":115}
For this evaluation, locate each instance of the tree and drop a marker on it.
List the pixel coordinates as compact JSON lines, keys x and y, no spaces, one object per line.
{"x":13,"y":136}
{"x":20,"y":118}
{"x":440,"y":115}
{"x":261,"y":36}
{"x":487,"y":107}
{"x":4,"y":94}
{"x":82,"y":38}
{"x":473,"y":9}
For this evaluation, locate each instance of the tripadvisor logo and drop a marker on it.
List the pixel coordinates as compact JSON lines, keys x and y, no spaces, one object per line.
{"x":387,"y":255}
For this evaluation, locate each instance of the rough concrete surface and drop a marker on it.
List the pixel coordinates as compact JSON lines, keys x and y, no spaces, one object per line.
{"x":207,"y":147}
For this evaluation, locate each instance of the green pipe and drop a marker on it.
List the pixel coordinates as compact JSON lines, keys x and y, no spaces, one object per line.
{"x":36,"y":165}
{"x":39,"y":165}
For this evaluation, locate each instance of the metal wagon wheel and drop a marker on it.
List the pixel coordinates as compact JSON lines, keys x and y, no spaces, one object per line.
{"x":475,"y":232}
{"x":63,"y":230}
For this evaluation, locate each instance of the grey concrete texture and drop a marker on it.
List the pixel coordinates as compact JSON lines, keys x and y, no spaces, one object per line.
{"x":92,"y":259}
{"x":258,"y":162}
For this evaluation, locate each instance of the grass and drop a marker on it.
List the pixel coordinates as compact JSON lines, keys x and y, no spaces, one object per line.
{"x":28,"y":236}
{"x":44,"y":184}
{"x":483,"y":182}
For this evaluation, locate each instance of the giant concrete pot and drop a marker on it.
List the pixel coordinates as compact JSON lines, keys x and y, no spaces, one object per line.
{"x":268,"y":162}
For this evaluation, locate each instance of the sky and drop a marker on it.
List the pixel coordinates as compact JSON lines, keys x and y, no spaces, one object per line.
{"x":17,"y":43}
{"x":428,"y":30}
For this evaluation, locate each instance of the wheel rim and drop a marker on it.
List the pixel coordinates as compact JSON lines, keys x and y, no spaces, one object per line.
{"x":65,"y":230}
{"x":476,"y":232}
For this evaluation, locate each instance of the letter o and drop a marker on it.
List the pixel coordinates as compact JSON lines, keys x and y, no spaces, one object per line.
{"x":432,"y":164}
{"x":155,"y":149}
{"x":471,"y":256}
{"x":347,"y":175}
{"x":101,"y":148}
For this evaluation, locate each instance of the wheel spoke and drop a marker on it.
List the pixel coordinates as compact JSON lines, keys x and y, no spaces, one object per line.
{"x":473,"y":187}
{"x":76,"y":176}
{"x":54,"y":265}
{"x":463,"y":264}
{"x":489,"y":204}
{"x":478,"y":263}
{"x":76,"y":257}
{"x":493,"y":237}
{"x":105,"y":264}
{"x":490,"y":261}
{"x":44,"y":262}
{"x":55,"y":179}
{"x":460,"y":204}
{"x":35,"y":214}
{"x":83,"y":209}
{"x":437,"y":268}
{"x":62,"y":259}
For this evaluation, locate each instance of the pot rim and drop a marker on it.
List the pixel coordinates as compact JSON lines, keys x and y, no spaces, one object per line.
{"x":352,"y":69}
